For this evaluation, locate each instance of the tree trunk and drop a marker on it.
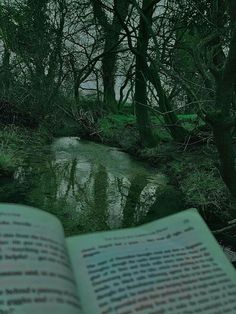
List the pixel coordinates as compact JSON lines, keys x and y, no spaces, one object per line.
{"x":109,"y":60}
{"x":6,"y":72}
{"x":224,"y":144}
{"x":222,"y":123}
{"x":172,"y":122}
{"x":109,"y":70}
{"x":221,"y":118}
{"x":140,"y":97}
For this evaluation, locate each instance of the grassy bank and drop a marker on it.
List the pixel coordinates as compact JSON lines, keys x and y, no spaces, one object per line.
{"x":14,"y":141}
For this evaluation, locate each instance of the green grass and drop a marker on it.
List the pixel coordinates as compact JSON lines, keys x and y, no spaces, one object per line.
{"x":120,"y":130}
{"x":14,"y":141}
{"x":7,"y":165}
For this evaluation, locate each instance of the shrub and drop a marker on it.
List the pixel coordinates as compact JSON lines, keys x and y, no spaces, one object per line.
{"x":14,"y":141}
{"x":204,"y":189}
{"x":7,"y":165}
{"x":201,"y":184}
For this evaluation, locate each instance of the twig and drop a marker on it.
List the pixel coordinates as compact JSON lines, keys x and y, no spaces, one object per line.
{"x":228,"y":228}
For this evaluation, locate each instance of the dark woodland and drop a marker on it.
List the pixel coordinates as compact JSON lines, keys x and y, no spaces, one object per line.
{"x":115,"y":113}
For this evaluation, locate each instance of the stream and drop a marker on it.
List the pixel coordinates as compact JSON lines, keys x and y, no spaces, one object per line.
{"x":89,"y":186}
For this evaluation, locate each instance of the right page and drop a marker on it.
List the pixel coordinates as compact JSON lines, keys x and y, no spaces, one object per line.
{"x":173,"y":266}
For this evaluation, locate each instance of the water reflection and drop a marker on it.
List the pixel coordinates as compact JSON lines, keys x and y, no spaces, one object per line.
{"x":88,"y":186}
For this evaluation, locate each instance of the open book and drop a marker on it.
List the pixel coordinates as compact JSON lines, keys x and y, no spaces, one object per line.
{"x":173,"y":266}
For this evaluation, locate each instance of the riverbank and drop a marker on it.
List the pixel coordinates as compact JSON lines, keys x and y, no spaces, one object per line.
{"x":89,"y":186}
{"x":13,"y":142}
{"x":192,"y":169}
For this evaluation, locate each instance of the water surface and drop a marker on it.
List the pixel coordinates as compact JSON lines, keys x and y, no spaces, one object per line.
{"x":88,"y":186}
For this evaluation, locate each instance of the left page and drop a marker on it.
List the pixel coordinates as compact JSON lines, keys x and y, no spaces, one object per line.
{"x":35,"y":272}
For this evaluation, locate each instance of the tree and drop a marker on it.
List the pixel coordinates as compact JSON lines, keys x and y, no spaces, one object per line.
{"x":222,"y":117}
{"x":30,"y":33}
{"x":214,"y":57}
{"x":140,"y":98}
{"x":149,"y":70}
{"x":5,"y":72}
{"x":111,"y":31}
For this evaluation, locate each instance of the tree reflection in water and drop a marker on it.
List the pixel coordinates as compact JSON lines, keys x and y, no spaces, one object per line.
{"x":90,"y":187}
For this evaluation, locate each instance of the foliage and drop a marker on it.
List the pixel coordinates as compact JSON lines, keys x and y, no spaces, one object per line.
{"x":117,"y":121}
{"x":120,"y":130}
{"x":188,"y":117}
{"x":35,"y":42}
{"x":10,"y":141}
{"x":158,"y":126}
{"x":7,"y":165}
{"x":12,"y":136}
{"x":204,"y":189}
{"x":189,"y":121}
{"x":199,"y":180}
{"x":160,"y":155}
{"x":13,"y":143}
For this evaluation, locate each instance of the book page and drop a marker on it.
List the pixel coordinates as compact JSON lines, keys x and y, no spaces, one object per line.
{"x":35,"y":272}
{"x":171,"y":266}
